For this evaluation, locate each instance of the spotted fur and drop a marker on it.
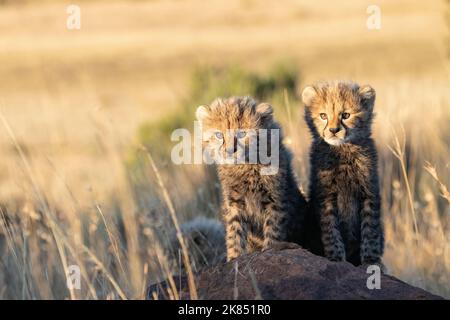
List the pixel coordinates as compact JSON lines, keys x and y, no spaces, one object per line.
{"x":344,"y":184}
{"x":259,"y":211}
{"x":205,"y":240}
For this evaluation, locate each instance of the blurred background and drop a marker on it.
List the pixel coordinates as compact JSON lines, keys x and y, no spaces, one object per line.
{"x":76,"y":107}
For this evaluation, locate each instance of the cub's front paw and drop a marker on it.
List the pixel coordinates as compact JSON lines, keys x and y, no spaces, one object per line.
{"x":231,"y":257}
{"x":280,"y":245}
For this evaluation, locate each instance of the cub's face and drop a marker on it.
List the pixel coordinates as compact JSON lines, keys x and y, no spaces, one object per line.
{"x":230,"y":127}
{"x":339,"y":112}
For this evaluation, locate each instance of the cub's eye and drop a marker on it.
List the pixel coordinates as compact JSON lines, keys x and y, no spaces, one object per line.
{"x":219,"y":135}
{"x":345,"y":115}
{"x":241,"y":134}
{"x":323,"y":116}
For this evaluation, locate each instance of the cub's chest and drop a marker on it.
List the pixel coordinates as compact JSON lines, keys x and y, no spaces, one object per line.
{"x":250,"y":188}
{"x":347,"y":172}
{"x":255,"y":192}
{"x":244,"y":179}
{"x":350,"y":178}
{"x":351,"y":171}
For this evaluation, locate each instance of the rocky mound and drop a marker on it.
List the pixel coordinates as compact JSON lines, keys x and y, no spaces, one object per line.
{"x":290,"y":274}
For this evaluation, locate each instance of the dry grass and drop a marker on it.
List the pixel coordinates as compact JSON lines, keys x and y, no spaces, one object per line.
{"x":71,"y":103}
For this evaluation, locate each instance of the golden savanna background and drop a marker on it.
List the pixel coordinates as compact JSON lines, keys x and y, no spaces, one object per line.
{"x":84,"y":112}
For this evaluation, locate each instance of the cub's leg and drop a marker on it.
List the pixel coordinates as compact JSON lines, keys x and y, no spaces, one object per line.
{"x":372,"y":238}
{"x":333,"y":244}
{"x":255,"y":242}
{"x":235,"y":231}
{"x":274,"y":229}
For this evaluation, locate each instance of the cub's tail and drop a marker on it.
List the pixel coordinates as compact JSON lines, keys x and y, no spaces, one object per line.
{"x":205,"y":241}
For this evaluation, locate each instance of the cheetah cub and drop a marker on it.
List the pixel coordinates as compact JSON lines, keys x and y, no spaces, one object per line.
{"x":344,"y":187}
{"x":261,"y":208}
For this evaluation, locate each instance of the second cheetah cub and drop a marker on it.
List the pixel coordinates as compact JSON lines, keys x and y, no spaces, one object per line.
{"x":344,"y":187}
{"x":262,"y":209}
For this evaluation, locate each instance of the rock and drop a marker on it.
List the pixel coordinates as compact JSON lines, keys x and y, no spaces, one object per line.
{"x":290,"y":274}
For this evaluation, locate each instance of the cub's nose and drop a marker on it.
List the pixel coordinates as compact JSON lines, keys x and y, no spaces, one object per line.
{"x":334,"y":130}
{"x":230,"y":151}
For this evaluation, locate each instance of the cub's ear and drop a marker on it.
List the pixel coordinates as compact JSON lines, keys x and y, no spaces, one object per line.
{"x":201,"y":113}
{"x":367,"y":95}
{"x":308,"y":95}
{"x":265,"y":110}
